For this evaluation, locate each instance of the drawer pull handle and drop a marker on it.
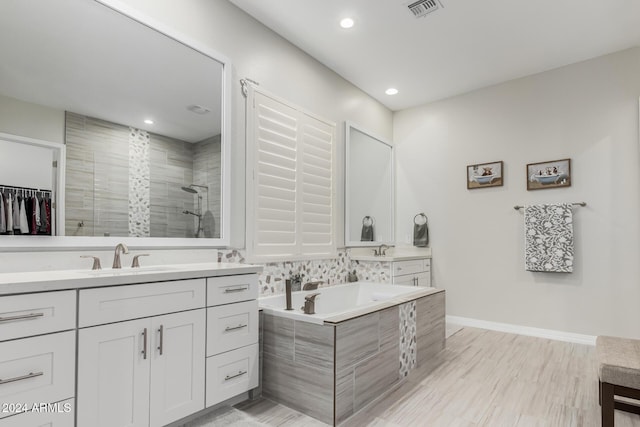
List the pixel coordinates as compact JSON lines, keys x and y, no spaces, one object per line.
{"x":161,"y":330}
{"x":239,"y":374}
{"x":20,"y":378}
{"x":21,"y":317}
{"x":231,"y":290}
{"x":233,"y":328}
{"x":144,"y":344}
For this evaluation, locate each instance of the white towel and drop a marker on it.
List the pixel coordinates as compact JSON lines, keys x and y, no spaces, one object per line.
{"x":548,"y":238}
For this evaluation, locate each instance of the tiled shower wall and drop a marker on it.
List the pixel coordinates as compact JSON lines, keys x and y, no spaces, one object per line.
{"x":111,"y":190}
{"x":206,"y":171}
{"x":330,"y":271}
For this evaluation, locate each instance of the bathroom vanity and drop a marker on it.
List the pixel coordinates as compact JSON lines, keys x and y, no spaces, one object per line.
{"x":401,"y":266}
{"x":145,"y":347}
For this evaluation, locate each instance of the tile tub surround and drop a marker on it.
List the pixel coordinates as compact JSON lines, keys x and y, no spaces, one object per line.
{"x":331,"y":371}
{"x":331,"y":271}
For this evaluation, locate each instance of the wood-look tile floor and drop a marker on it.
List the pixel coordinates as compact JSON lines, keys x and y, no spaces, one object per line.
{"x":482,"y":378}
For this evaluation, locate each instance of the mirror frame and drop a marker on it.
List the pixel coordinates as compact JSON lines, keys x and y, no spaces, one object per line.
{"x":61,"y":242}
{"x":347,"y":138}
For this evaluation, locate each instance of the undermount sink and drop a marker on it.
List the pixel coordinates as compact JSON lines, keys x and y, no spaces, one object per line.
{"x":129,"y":270}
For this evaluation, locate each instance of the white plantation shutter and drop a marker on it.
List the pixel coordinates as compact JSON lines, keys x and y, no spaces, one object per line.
{"x":290,"y":183}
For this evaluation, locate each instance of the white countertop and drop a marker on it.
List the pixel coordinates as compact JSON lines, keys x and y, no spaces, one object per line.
{"x":40,"y":281}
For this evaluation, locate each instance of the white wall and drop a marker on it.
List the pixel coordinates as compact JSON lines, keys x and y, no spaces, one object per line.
{"x":31,"y":120}
{"x":587,"y":112}
{"x":24,"y":165}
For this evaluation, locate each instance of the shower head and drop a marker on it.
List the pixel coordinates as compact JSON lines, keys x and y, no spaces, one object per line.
{"x":190,"y":190}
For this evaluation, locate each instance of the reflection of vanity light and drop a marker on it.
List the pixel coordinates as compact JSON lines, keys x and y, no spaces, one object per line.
{"x":346,"y":23}
{"x":198,"y":109}
{"x":149,"y":121}
{"x":391,"y":91}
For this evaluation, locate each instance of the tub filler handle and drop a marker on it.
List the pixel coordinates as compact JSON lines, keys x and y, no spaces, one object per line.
{"x":310,"y":304}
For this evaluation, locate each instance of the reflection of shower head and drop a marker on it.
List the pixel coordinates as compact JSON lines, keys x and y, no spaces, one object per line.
{"x":192,"y":190}
{"x":189,"y":190}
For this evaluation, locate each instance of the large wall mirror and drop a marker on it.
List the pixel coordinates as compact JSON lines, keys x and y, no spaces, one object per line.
{"x":145,"y":115}
{"x":369,"y":196}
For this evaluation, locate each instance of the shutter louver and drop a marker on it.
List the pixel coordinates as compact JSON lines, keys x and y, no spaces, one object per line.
{"x":291,"y":214}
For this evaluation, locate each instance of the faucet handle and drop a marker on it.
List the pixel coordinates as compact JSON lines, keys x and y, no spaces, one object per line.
{"x":96,"y":262}
{"x":135,"y":263}
{"x":311,"y":297}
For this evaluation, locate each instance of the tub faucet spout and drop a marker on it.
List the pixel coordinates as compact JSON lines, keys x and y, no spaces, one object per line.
{"x":312,"y":286}
{"x":310,"y":304}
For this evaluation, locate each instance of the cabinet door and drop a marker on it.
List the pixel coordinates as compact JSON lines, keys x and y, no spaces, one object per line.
{"x":113,"y":375}
{"x":177,"y":368}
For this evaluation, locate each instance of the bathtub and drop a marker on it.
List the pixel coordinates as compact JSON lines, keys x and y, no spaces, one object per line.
{"x":362,"y":342}
{"x":342,"y":302}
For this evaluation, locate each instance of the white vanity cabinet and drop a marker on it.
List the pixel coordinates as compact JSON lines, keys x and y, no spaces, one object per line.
{"x":415,"y":272}
{"x":135,"y":349}
{"x":143,"y":372}
{"x":37,"y":359}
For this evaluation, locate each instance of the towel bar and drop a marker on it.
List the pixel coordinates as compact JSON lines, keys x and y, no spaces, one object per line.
{"x":575,"y":204}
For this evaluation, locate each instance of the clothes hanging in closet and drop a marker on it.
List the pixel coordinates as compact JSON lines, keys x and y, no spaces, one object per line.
{"x":24,"y":211}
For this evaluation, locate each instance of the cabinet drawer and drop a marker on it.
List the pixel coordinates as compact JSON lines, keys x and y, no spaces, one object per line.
{"x":59,"y":414}
{"x":231,"y":326}
{"x":228,"y":289}
{"x":117,"y":303}
{"x":35,"y":314}
{"x":408,"y":267}
{"x":232,"y":373}
{"x":38,"y":369}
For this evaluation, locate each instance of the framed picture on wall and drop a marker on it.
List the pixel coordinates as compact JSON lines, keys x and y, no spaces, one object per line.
{"x":483,"y":175}
{"x":549,"y":174}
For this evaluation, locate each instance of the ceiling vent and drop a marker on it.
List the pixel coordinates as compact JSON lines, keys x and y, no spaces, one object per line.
{"x":423,"y":7}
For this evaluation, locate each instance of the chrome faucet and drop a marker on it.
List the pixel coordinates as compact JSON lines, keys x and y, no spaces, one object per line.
{"x":121,"y":248}
{"x":310,"y":304}
{"x":381,"y":251}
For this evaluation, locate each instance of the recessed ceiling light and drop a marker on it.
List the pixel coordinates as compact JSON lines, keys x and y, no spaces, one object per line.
{"x":391,"y":91}
{"x":346,"y":23}
{"x":149,"y":121}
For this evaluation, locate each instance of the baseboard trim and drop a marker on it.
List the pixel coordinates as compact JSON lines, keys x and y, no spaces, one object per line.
{"x":523,"y":330}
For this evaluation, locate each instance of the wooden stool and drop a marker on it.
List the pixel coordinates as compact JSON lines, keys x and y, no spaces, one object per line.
{"x":619,"y":375}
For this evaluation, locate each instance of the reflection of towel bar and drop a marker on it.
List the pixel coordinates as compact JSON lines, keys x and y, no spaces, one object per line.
{"x":574,"y":204}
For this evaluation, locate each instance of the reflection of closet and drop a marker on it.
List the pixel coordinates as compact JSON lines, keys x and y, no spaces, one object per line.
{"x":25,"y":211}
{"x":30,"y":175}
